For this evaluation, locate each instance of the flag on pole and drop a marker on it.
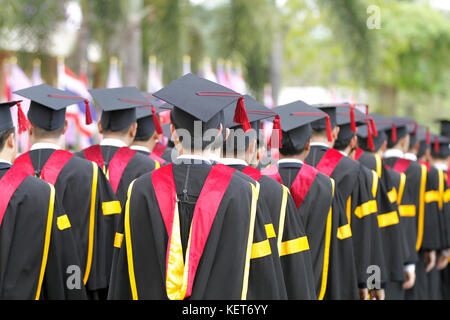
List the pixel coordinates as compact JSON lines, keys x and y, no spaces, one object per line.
{"x":154,"y":80}
{"x":208,"y":72}
{"x":78,"y":132}
{"x":114,"y":77}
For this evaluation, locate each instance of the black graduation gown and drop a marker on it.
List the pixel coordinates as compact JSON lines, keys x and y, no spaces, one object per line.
{"x":225,"y":270}
{"x":296,"y":263}
{"x":355,"y":185}
{"x":413,"y":218}
{"x":93,"y":222}
{"x":389,"y":222}
{"x":137,"y":166}
{"x":445,"y":274}
{"x":321,"y":220}
{"x":32,"y":216}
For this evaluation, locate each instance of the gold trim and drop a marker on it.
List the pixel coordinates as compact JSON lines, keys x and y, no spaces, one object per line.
{"x":129,"y":245}
{"x":432,"y":196}
{"x":374,"y":184}
{"x":423,"y":185}
{"x":367,"y":208}
{"x":270,"y":231}
{"x":118,"y":239}
{"x":294,"y":246}
{"x":393,"y":195}
{"x":255,"y":195}
{"x":111,"y":207}
{"x":401,"y":188}
{"x":48,"y":232}
{"x":379,"y":165}
{"x":282,"y":217}
{"x":261,"y":249}
{"x":91,"y":222}
{"x":388,"y":219}
{"x":344,"y":232}
{"x":407,"y":210}
{"x":63,"y":222}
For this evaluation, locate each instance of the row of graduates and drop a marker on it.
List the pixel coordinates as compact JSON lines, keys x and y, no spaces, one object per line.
{"x":208,"y":225}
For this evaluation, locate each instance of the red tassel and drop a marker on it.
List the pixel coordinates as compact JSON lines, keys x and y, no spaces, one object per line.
{"x":329,"y":136}
{"x":277,"y":128}
{"x":394,"y":132}
{"x":428,"y":137}
{"x":370,"y":144}
{"x":436,"y":145}
{"x":88,"y":113}
{"x":158,"y":128}
{"x":21,"y":119}
{"x":240,"y":115}
{"x":352,"y":119}
{"x":374,"y":127}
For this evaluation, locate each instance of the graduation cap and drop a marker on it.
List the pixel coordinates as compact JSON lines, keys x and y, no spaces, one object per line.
{"x":195,"y":98}
{"x":423,"y":136}
{"x":6,"y":121}
{"x":256,"y":112}
{"x":441,"y":148}
{"x":48,"y":106}
{"x":147,"y":119}
{"x":296,"y":119}
{"x":329,"y":122}
{"x":445,"y":128}
{"x":372,"y":135}
{"x":119,"y":106}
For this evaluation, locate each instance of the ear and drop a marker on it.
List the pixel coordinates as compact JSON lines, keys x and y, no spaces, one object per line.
{"x":173,"y":133}
{"x":100,"y":128}
{"x":133,"y":130}
{"x":227,"y":133}
{"x":66,"y":125}
{"x":383,"y":147}
{"x":155,"y":136}
{"x":307,"y":146}
{"x":11,"y":141}
{"x":335,"y":133}
{"x":354,"y":142}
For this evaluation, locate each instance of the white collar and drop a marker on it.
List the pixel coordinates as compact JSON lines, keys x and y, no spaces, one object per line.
{"x":410,"y":156}
{"x":214,"y":157}
{"x":319,"y":144}
{"x":5,"y":161}
{"x":193,"y":157}
{"x":393,"y":153}
{"x":233,"y":162}
{"x":44,"y":145}
{"x":113,"y":143}
{"x":441,"y":166}
{"x":343,"y":153}
{"x":290,"y":160}
{"x":140,"y":148}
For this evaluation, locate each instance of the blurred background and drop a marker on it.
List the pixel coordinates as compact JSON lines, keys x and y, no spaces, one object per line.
{"x":392,"y":54}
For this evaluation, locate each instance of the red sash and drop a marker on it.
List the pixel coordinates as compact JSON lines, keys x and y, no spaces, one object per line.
{"x":9,"y":183}
{"x":205,"y":211}
{"x":52,"y":168}
{"x":116,"y":166}
{"x":159,"y":149}
{"x":301,"y":185}
{"x":253,"y":173}
{"x":358,"y":153}
{"x":156,"y":158}
{"x":329,"y":162}
{"x":401,"y":165}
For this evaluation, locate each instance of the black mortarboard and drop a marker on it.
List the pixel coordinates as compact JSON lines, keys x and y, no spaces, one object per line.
{"x":48,"y":106}
{"x":6,"y":121}
{"x":398,"y":130}
{"x":441,"y":147}
{"x":119,"y":106}
{"x":348,"y":118}
{"x":147,"y":119}
{"x":445,"y":128}
{"x":423,"y":136}
{"x":195,"y":98}
{"x":296,"y":119}
{"x":323,"y":124}
{"x":372,"y":135}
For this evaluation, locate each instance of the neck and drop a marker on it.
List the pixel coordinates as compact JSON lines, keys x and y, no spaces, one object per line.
{"x":149,"y":144}
{"x":48,"y":140}
{"x":117,"y":137}
{"x":441,"y":162}
{"x":7,"y":156}
{"x":300,"y":157}
{"x":205,"y":153}
{"x":321,"y":139}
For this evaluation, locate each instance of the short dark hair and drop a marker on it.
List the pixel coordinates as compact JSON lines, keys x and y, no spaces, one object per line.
{"x":342,"y":143}
{"x":238,"y":141}
{"x":288,"y":148}
{"x":143,"y":138}
{"x":41,"y":133}
{"x":121,"y":132}
{"x":4,"y":135}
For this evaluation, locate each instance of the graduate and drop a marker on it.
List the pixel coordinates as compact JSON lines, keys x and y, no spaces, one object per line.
{"x":411,"y":204}
{"x":118,"y":126}
{"x":356,"y":185}
{"x":313,"y":193}
{"x":284,"y":225}
{"x":192,"y":230}
{"x":148,"y":132}
{"x":438,"y":281}
{"x":372,"y":142}
{"x":37,"y":244}
{"x":84,"y":191}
